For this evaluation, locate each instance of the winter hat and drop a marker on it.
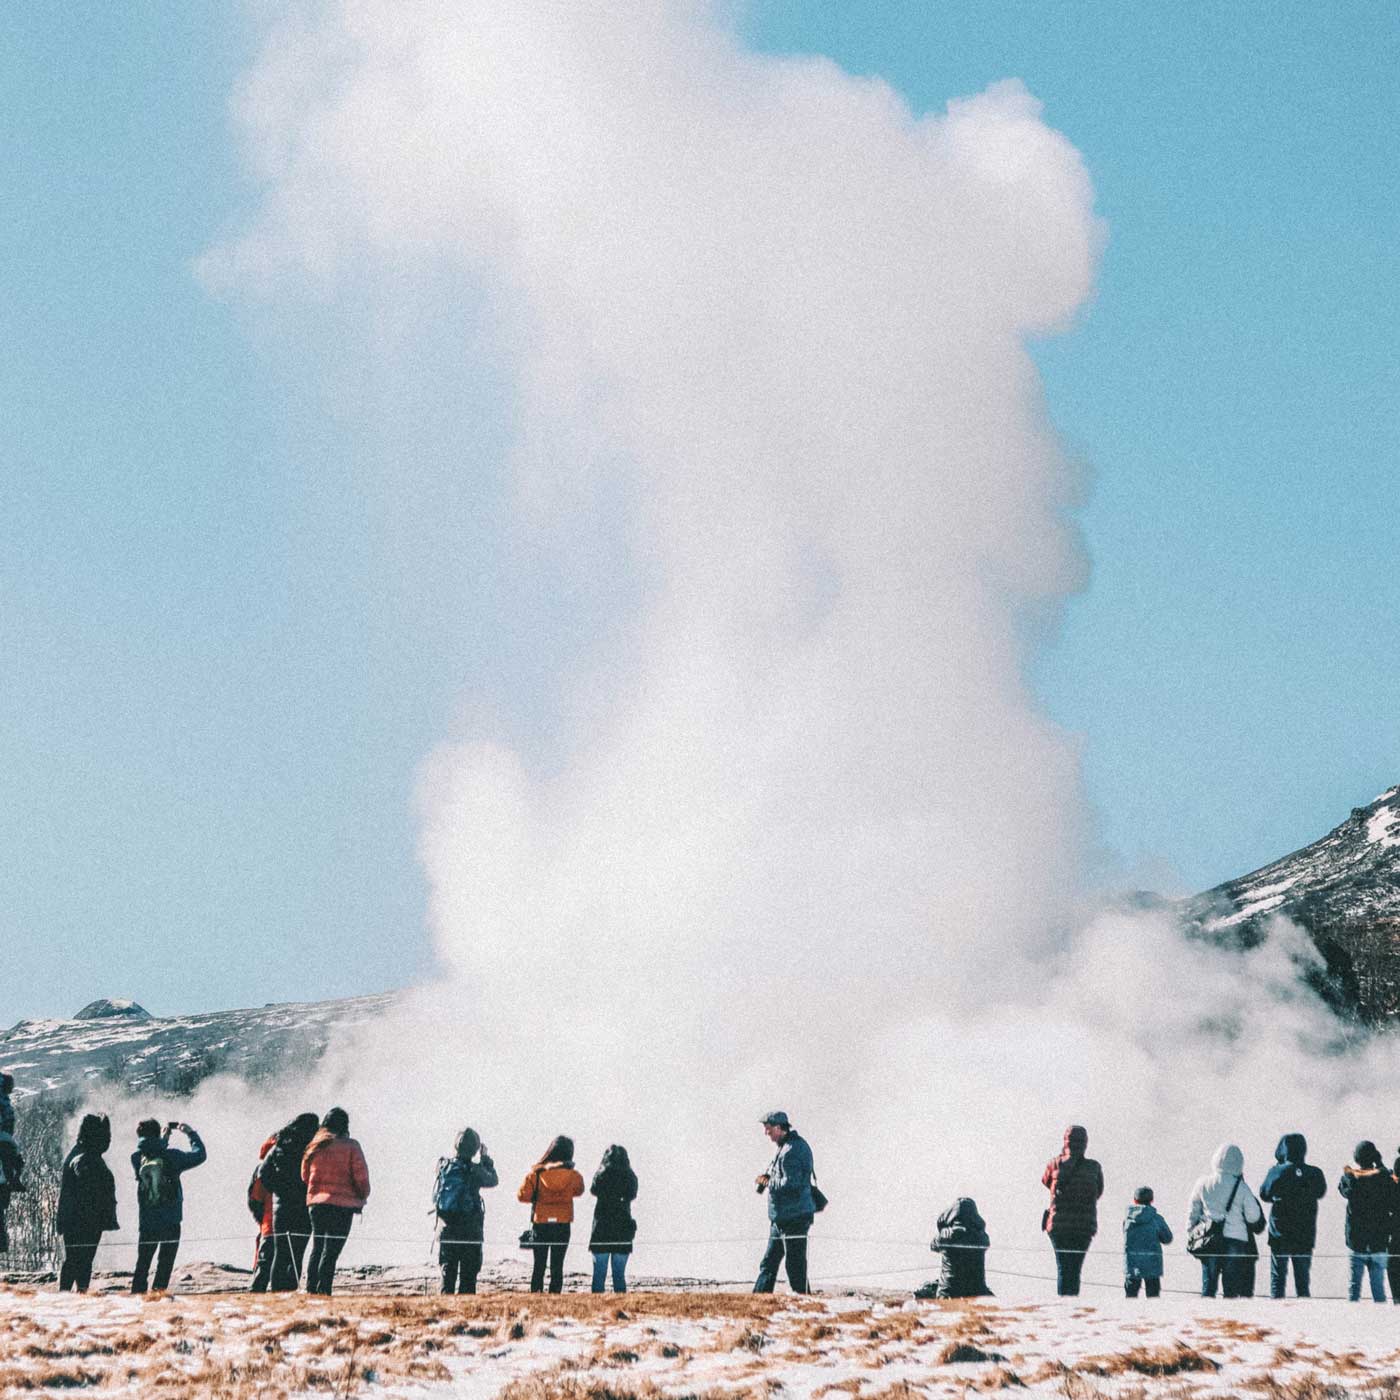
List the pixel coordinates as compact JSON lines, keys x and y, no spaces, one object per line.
{"x":337,"y":1121}
{"x":468,"y":1140}
{"x":1367,"y":1154}
{"x":148,"y":1128}
{"x":1142,"y":1196}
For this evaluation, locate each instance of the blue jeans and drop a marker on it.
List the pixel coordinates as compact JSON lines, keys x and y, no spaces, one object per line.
{"x":1302,"y":1274}
{"x":1373,"y":1265}
{"x":619,"y":1272}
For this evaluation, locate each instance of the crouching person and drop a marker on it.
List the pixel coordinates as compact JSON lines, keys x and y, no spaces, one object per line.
{"x":1144,"y":1234}
{"x":963,"y":1242}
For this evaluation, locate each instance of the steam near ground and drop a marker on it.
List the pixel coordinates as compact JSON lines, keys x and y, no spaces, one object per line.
{"x":801,"y":838}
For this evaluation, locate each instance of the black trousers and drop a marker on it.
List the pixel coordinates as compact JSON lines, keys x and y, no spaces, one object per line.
{"x":262,"y":1270}
{"x":1302,"y":1274}
{"x":1070,"y":1249}
{"x":79,"y":1252}
{"x":1392,"y":1269}
{"x":163,"y":1250}
{"x":553,"y":1237}
{"x":291,"y":1230}
{"x":461,"y":1263}
{"x":1152,"y":1286}
{"x":1231,"y":1269}
{"x":330,"y":1227}
{"x":4,"y":1229}
{"x":787,"y":1241}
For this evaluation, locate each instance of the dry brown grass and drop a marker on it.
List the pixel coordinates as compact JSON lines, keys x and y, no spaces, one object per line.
{"x":1173,"y":1359}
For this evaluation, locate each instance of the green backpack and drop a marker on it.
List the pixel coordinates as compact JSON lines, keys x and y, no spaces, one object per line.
{"x":156,"y":1184}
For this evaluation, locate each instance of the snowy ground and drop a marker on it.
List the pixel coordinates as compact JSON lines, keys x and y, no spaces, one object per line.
{"x":707,"y":1345}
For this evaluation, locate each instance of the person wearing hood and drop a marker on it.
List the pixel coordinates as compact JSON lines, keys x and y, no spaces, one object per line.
{"x":1144,"y":1234}
{"x":1075,"y":1183}
{"x":160,"y":1197}
{"x":1370,"y":1195}
{"x":614,"y":1189}
{"x":1293,"y":1188}
{"x":337,"y":1187}
{"x":792,"y":1206}
{"x":280,"y":1175}
{"x":87,"y":1202}
{"x":962,"y":1241}
{"x":549,"y":1189}
{"x":461,"y":1178}
{"x":1221,"y":1194}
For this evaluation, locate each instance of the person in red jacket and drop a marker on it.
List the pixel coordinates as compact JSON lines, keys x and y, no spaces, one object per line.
{"x":1075,"y":1183}
{"x":549,"y":1190}
{"x":337,"y":1187}
{"x":261,"y":1204}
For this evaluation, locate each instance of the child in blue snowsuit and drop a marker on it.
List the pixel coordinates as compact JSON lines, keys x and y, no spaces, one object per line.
{"x":1144,"y":1234}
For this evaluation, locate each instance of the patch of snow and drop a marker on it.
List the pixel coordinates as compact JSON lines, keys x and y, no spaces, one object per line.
{"x":1384,"y":827}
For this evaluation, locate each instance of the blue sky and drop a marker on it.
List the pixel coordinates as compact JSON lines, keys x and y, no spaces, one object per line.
{"x":217,"y":681}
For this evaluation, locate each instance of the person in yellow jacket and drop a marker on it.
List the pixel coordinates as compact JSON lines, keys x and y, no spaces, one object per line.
{"x":549,"y":1190}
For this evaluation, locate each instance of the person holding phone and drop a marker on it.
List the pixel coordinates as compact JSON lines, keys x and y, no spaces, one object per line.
{"x":160,"y":1197}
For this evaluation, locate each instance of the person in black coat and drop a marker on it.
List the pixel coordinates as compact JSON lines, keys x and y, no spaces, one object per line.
{"x":280,"y":1173}
{"x":963,"y":1242}
{"x":615,"y":1188}
{"x":461,"y":1179}
{"x":1370,"y":1193}
{"x":1393,"y":1264}
{"x":1293,"y":1188}
{"x":87,"y":1202}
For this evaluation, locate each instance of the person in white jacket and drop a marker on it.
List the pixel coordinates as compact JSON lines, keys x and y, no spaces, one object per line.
{"x":1223,"y":1195}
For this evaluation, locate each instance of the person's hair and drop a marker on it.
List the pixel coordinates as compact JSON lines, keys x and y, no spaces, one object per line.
{"x":337,"y":1121}
{"x":7,"y":1081}
{"x":301,"y":1129}
{"x":615,"y":1156}
{"x":148,"y":1128}
{"x":1143,"y":1196}
{"x":94,"y":1133}
{"x":468,"y":1140}
{"x":561,"y":1150}
{"x":1367,"y":1154}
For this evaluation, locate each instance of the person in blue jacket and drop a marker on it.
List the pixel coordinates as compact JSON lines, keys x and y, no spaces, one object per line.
{"x":1144,"y":1234}
{"x":791,"y":1205}
{"x":1293,"y":1188}
{"x":160,"y":1197}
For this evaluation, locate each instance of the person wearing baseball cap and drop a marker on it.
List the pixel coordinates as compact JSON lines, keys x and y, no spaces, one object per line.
{"x":791,"y":1205}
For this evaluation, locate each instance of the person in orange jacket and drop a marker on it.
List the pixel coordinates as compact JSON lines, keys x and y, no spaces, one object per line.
{"x":261,"y":1204}
{"x":337,"y":1187}
{"x":549,"y":1190}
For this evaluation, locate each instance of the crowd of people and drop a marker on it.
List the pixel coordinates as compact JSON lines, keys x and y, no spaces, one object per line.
{"x":311,"y":1180}
{"x":1224,"y":1219}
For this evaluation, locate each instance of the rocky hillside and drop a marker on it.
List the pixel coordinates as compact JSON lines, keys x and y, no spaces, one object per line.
{"x":1344,"y":889}
{"x":121,"y":1042}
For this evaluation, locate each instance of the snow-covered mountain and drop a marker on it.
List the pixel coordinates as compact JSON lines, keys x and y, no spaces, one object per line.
{"x":121,"y":1042}
{"x":1344,"y":889}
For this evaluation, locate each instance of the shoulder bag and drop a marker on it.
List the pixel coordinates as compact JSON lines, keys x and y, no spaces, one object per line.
{"x":1207,"y":1236}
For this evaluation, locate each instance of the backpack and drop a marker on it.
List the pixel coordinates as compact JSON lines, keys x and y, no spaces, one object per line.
{"x":156,"y":1184}
{"x":452,"y":1192}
